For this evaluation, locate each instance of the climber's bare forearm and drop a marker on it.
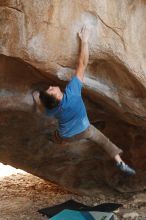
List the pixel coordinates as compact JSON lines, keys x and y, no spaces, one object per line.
{"x":84,"y":53}
{"x":83,"y":60}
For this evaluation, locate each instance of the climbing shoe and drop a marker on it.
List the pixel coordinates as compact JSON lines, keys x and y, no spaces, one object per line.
{"x":126,"y":169}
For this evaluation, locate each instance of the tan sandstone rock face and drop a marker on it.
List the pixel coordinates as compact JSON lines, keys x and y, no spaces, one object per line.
{"x":39,"y":46}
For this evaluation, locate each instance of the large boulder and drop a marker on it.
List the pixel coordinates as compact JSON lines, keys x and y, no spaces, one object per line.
{"x":39,"y":46}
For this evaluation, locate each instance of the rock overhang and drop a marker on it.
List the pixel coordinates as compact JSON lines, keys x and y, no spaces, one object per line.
{"x":41,"y":44}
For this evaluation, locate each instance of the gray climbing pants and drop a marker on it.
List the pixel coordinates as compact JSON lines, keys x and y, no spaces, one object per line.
{"x":93,"y":134}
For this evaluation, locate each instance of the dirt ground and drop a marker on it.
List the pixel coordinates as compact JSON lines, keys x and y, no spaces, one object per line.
{"x":22,"y":194}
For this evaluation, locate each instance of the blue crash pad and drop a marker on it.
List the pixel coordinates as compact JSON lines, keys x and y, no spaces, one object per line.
{"x":82,"y":215}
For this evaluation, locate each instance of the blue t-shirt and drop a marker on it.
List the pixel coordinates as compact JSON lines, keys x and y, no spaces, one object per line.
{"x":71,"y":112}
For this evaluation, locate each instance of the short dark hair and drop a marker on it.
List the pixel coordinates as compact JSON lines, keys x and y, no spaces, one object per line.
{"x":49,"y":101}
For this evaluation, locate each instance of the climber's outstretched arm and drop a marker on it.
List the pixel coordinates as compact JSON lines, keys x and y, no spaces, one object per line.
{"x":84,"y":53}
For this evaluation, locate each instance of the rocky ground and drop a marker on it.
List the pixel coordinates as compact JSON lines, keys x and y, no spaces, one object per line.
{"x":22,"y":194}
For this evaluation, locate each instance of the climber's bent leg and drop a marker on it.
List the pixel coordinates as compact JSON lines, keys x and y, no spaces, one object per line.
{"x":98,"y":137}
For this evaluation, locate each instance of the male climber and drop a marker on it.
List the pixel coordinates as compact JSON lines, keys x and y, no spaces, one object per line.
{"x":69,"y":109}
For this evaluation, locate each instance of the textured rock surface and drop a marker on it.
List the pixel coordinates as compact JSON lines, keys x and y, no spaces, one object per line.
{"x":39,"y":43}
